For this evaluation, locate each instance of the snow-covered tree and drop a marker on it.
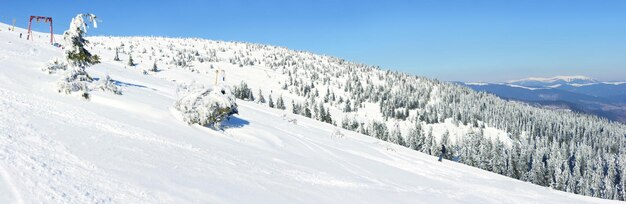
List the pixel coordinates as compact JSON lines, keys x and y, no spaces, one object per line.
{"x":154,"y":67}
{"x":77,"y":79}
{"x":55,"y":65}
{"x":207,"y":106}
{"x":75,"y":51}
{"x":306,"y":111}
{"x":347,"y":107}
{"x":270,"y":102}
{"x":243,"y":92}
{"x":295,"y":109}
{"x":415,"y":138}
{"x":280,"y":103}
{"x":108,"y":84}
{"x":131,"y":62}
{"x":117,"y":56}
{"x":379,"y":130}
{"x":396,"y":136}
{"x":260,"y":98}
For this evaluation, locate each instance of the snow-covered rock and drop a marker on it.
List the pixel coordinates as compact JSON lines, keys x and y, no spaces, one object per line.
{"x":207,"y":106}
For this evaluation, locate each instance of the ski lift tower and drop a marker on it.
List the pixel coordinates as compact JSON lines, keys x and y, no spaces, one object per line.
{"x":37,"y":19}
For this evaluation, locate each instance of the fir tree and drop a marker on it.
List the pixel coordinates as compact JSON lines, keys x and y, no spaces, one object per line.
{"x":117,"y":57}
{"x":329,"y":119}
{"x":130,"y":61}
{"x":280,"y":104}
{"x":260,"y":97}
{"x":306,"y":110}
{"x":78,"y":57}
{"x":76,"y":52}
{"x":347,"y":108}
{"x":154,"y":67}
{"x":270,"y":101}
{"x":294,"y":108}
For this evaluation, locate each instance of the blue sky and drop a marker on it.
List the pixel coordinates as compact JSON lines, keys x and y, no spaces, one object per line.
{"x":460,"y":40}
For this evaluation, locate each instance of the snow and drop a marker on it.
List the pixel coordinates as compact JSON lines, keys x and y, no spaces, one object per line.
{"x":131,"y":148}
{"x":556,"y":86}
{"x":580,"y":85}
{"x":523,"y":87}
{"x":614,"y":83}
{"x":477,"y":83}
{"x":553,"y":79}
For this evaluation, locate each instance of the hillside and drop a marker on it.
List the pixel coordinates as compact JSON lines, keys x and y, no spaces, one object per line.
{"x":480,"y":129}
{"x":131,"y":148}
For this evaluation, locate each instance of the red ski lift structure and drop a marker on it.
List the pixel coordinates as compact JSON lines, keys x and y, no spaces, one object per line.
{"x":37,"y":19}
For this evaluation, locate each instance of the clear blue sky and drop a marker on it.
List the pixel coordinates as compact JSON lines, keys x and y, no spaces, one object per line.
{"x":462,"y":40}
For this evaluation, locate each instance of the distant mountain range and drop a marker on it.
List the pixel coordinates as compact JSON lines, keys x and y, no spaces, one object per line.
{"x":575,"y":93}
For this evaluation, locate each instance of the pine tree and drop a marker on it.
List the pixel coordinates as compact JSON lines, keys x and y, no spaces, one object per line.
{"x":415,"y":138}
{"x":431,"y":145}
{"x":75,"y":52}
{"x":294,"y":108}
{"x":280,"y":104}
{"x":117,"y":57}
{"x":320,"y":113}
{"x":260,"y":97}
{"x":154,"y":67}
{"x":379,"y":130}
{"x":270,"y":101}
{"x":329,"y":119}
{"x":347,"y":107}
{"x":396,"y":136}
{"x":130,"y":61}
{"x":306,"y":111}
{"x":78,"y":57}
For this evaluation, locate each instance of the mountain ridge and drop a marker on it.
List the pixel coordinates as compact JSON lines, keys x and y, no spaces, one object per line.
{"x":604,"y":99}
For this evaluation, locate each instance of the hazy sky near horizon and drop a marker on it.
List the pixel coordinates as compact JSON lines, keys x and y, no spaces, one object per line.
{"x":454,"y":40}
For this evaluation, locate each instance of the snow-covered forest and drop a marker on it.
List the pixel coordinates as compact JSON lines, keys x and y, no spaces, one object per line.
{"x":562,"y":150}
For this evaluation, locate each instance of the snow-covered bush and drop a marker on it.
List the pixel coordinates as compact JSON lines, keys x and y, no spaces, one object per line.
{"x":107,"y":84}
{"x":337,"y":134}
{"x":55,"y":65}
{"x":290,"y":119}
{"x":207,"y":106}
{"x":75,"y":80}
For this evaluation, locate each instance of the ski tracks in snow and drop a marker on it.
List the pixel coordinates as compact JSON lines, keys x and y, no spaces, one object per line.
{"x":15,"y":196}
{"x":46,"y":170}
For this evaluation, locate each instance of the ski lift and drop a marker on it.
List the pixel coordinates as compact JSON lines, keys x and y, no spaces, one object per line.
{"x":37,"y":18}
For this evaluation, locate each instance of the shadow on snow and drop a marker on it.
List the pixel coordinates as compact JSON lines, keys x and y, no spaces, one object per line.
{"x":121,"y":83}
{"x":234,"y":122}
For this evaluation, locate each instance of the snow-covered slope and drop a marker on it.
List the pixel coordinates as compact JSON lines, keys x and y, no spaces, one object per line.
{"x":56,"y":148}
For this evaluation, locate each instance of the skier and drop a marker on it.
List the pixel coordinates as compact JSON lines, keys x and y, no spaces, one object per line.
{"x":443,"y":151}
{"x":20,"y":35}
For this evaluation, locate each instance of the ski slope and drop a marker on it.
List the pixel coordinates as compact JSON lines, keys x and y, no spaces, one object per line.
{"x":57,"y":148}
